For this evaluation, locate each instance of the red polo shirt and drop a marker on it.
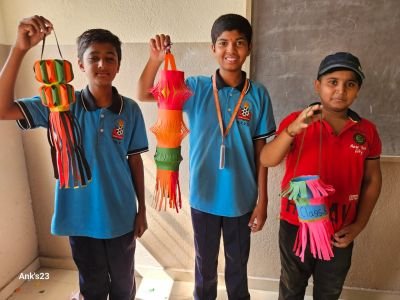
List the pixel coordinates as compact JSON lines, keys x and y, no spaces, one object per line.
{"x":342,"y":164}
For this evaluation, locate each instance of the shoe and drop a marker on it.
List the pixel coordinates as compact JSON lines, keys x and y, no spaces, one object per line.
{"x":76,"y":296}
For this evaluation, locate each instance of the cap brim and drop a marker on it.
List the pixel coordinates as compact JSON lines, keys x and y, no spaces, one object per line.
{"x":338,"y":65}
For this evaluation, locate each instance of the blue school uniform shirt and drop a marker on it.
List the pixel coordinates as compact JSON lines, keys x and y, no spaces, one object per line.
{"x":106,"y":207}
{"x":232,"y":191}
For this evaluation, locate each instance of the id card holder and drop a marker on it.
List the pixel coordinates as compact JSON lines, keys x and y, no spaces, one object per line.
{"x":222,"y":157}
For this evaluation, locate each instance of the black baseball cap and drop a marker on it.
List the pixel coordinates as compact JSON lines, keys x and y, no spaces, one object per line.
{"x":341,"y":60}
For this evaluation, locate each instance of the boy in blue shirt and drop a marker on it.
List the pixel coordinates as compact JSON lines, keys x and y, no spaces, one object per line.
{"x":102,"y":219}
{"x":227,"y":112}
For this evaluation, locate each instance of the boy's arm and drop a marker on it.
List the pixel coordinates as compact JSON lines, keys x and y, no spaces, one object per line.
{"x":30,"y":32}
{"x":136,"y":166}
{"x":370,"y":190}
{"x":259,"y":215}
{"x":275,"y":151}
{"x":158,"y":45}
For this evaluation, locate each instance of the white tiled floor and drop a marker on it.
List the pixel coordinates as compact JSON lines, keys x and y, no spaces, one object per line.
{"x":63,"y":283}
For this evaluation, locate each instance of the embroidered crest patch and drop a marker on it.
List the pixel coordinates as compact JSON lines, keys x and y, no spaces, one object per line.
{"x":118,"y":131}
{"x":244,"y":112}
{"x":359,"y":138}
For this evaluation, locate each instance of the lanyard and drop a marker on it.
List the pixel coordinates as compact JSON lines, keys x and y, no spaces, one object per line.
{"x":219,"y":114}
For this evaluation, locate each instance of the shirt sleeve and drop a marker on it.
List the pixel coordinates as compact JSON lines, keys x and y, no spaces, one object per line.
{"x":266,"y":124}
{"x":138,"y":142}
{"x":35,"y":113}
{"x":375,"y":150}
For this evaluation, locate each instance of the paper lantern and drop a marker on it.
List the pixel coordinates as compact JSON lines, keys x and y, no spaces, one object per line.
{"x":64,"y":134}
{"x":310,"y":195}
{"x":171,"y":94}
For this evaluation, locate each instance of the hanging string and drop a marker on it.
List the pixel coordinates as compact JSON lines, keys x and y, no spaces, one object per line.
{"x":302,"y":145}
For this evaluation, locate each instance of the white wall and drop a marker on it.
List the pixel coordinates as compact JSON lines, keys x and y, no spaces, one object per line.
{"x":133,"y":20}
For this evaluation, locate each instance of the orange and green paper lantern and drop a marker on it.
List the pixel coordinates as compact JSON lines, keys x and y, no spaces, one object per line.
{"x":171,"y":94}
{"x":64,"y":134}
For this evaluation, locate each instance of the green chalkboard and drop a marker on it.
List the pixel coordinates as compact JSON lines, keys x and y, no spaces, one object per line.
{"x":291,"y":37}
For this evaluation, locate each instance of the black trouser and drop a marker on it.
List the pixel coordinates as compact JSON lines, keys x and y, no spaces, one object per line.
{"x":106,"y":267}
{"x":328,"y":276}
{"x":236,"y":236}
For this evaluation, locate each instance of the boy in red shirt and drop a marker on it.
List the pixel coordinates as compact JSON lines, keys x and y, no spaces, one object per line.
{"x":349,"y":161}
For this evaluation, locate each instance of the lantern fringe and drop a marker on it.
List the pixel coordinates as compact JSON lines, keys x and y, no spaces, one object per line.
{"x":308,"y":191}
{"x":319,"y":235}
{"x":170,"y":132}
{"x":69,"y":162}
{"x":171,"y":93}
{"x":167,"y":189}
{"x":297,"y":189}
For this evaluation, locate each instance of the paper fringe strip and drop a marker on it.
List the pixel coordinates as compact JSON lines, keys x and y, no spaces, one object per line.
{"x":309,"y":193}
{"x":64,"y":134}
{"x":170,"y":129}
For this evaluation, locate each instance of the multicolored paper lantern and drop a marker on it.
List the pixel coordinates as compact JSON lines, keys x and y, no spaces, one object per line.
{"x":64,"y":134}
{"x":310,"y":195}
{"x":170,"y":129}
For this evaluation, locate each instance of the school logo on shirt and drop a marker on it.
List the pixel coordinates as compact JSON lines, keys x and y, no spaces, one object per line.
{"x":359,"y":138}
{"x":359,"y":144}
{"x":118,"y":131}
{"x":244,"y":113}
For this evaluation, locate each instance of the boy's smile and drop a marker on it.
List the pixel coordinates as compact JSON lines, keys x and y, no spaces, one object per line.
{"x":100,"y":63}
{"x":337,"y":90}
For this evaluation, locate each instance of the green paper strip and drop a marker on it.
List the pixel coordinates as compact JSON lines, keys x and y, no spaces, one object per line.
{"x":168,"y":158}
{"x":59,"y":66}
{"x":43,"y":70}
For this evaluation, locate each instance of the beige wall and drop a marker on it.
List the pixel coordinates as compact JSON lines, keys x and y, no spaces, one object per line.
{"x":169,"y":237}
{"x":18,"y":240}
{"x":2,"y":28}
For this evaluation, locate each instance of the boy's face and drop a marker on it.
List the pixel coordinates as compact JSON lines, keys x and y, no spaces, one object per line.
{"x":337,"y":90}
{"x":100,"y":63}
{"x":231,"y":50}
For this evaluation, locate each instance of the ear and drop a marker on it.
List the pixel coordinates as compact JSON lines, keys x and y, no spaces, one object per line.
{"x":317,"y":86}
{"x":81,"y":66}
{"x":249,"y":50}
{"x":212,"y":48}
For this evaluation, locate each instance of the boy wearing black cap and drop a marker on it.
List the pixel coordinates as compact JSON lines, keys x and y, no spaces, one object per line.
{"x":344,"y":150}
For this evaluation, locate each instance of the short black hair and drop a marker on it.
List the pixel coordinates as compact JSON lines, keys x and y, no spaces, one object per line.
{"x":230,"y":22}
{"x":98,"y":36}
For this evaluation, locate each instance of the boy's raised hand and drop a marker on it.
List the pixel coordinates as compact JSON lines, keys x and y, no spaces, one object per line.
{"x":158,"y":47}
{"x":306,"y":117}
{"x":31,"y":31}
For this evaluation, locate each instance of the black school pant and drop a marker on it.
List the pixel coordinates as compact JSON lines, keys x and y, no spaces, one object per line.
{"x":328,"y":276}
{"x":236,"y":236}
{"x":106,"y":266}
